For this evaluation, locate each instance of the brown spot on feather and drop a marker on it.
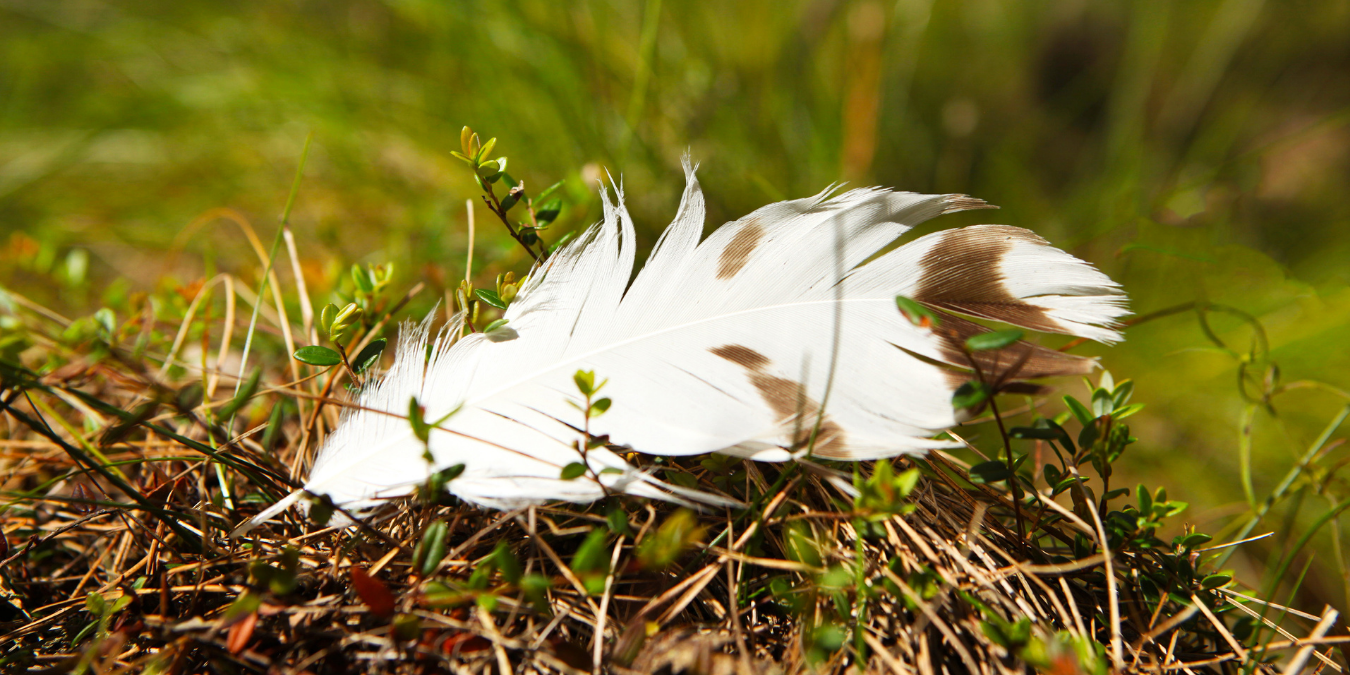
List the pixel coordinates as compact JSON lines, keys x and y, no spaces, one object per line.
{"x":796,"y":412}
{"x":956,"y":378}
{"x":738,"y":250}
{"x":742,"y":356}
{"x":962,"y":273}
{"x":954,"y":203}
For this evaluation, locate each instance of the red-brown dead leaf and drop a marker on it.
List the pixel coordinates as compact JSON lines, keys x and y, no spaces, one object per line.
{"x":240,"y":633}
{"x":373,"y":592}
{"x":465,"y":643}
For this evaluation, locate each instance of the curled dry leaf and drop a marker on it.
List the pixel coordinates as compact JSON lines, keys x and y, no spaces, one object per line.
{"x":373,"y":592}
{"x":241,"y":632}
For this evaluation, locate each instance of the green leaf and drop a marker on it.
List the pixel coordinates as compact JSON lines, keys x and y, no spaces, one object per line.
{"x":1106,"y":382}
{"x":246,"y":392}
{"x":993,"y":471}
{"x":96,"y":604}
{"x":548,"y":211}
{"x":509,"y":201}
{"x":585,"y":381}
{"x":1195,"y":539}
{"x":506,"y":562}
{"x":573,"y":471}
{"x":995,"y":340}
{"x":549,"y":190}
{"x":682,"y":479}
{"x":829,"y":638}
{"x":245,"y":604}
{"x":906,"y":482}
{"x":1089,"y":435}
{"x":561,"y":242}
{"x":970,"y":395}
{"x":316,"y":355}
{"x":321,"y":510}
{"x":120,"y":604}
{"x":370,"y":355}
{"x":1064,"y":438}
{"x":1039,"y":433}
{"x":494,"y":326}
{"x":107,"y":323}
{"x":1102,"y":403}
{"x":536,"y":588}
{"x":917,"y":314}
{"x":1108,"y":496}
{"x":1145,"y":499}
{"x":485,"y":150}
{"x":363,"y":282}
{"x":618,"y":522}
{"x":489,"y":170}
{"x":345,"y":321}
{"x":1127,"y":411}
{"x":488,"y":601}
{"x":447,"y":475}
{"x":1121,"y":394}
{"x":801,"y":548}
{"x":431,"y":549}
{"x":348,"y":315}
{"x":600,"y":407}
{"x":326,"y":316}
{"x":1079,"y":411}
{"x":995,"y":634}
{"x":490,"y":297}
{"x":479,"y":579}
{"x":419,"y":424}
{"x":678,"y":533}
{"x":592,"y":555}
{"x":1052,"y":474}
{"x":1214,"y":581}
{"x":433,"y":491}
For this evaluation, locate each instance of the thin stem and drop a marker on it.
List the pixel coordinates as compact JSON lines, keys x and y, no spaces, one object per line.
{"x":468,"y":263}
{"x":494,"y":205}
{"x":1013,"y":487}
{"x":348,"y":364}
{"x":1012,"y":470}
{"x":1287,"y":482}
{"x":584,"y":445}
{"x":271,"y":257}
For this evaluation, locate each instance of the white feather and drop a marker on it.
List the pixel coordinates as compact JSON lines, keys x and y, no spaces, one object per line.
{"x":742,"y":343}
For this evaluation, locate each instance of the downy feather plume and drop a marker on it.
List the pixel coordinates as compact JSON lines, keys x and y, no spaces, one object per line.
{"x":777,"y":333}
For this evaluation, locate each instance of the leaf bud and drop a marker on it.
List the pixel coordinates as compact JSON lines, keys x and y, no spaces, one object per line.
{"x":326,"y":316}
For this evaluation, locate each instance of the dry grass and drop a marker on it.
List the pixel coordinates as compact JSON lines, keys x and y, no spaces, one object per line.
{"x":743,"y":597}
{"x":124,"y":476}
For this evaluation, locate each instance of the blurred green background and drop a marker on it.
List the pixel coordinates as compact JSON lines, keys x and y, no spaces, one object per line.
{"x":1193,"y":151}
